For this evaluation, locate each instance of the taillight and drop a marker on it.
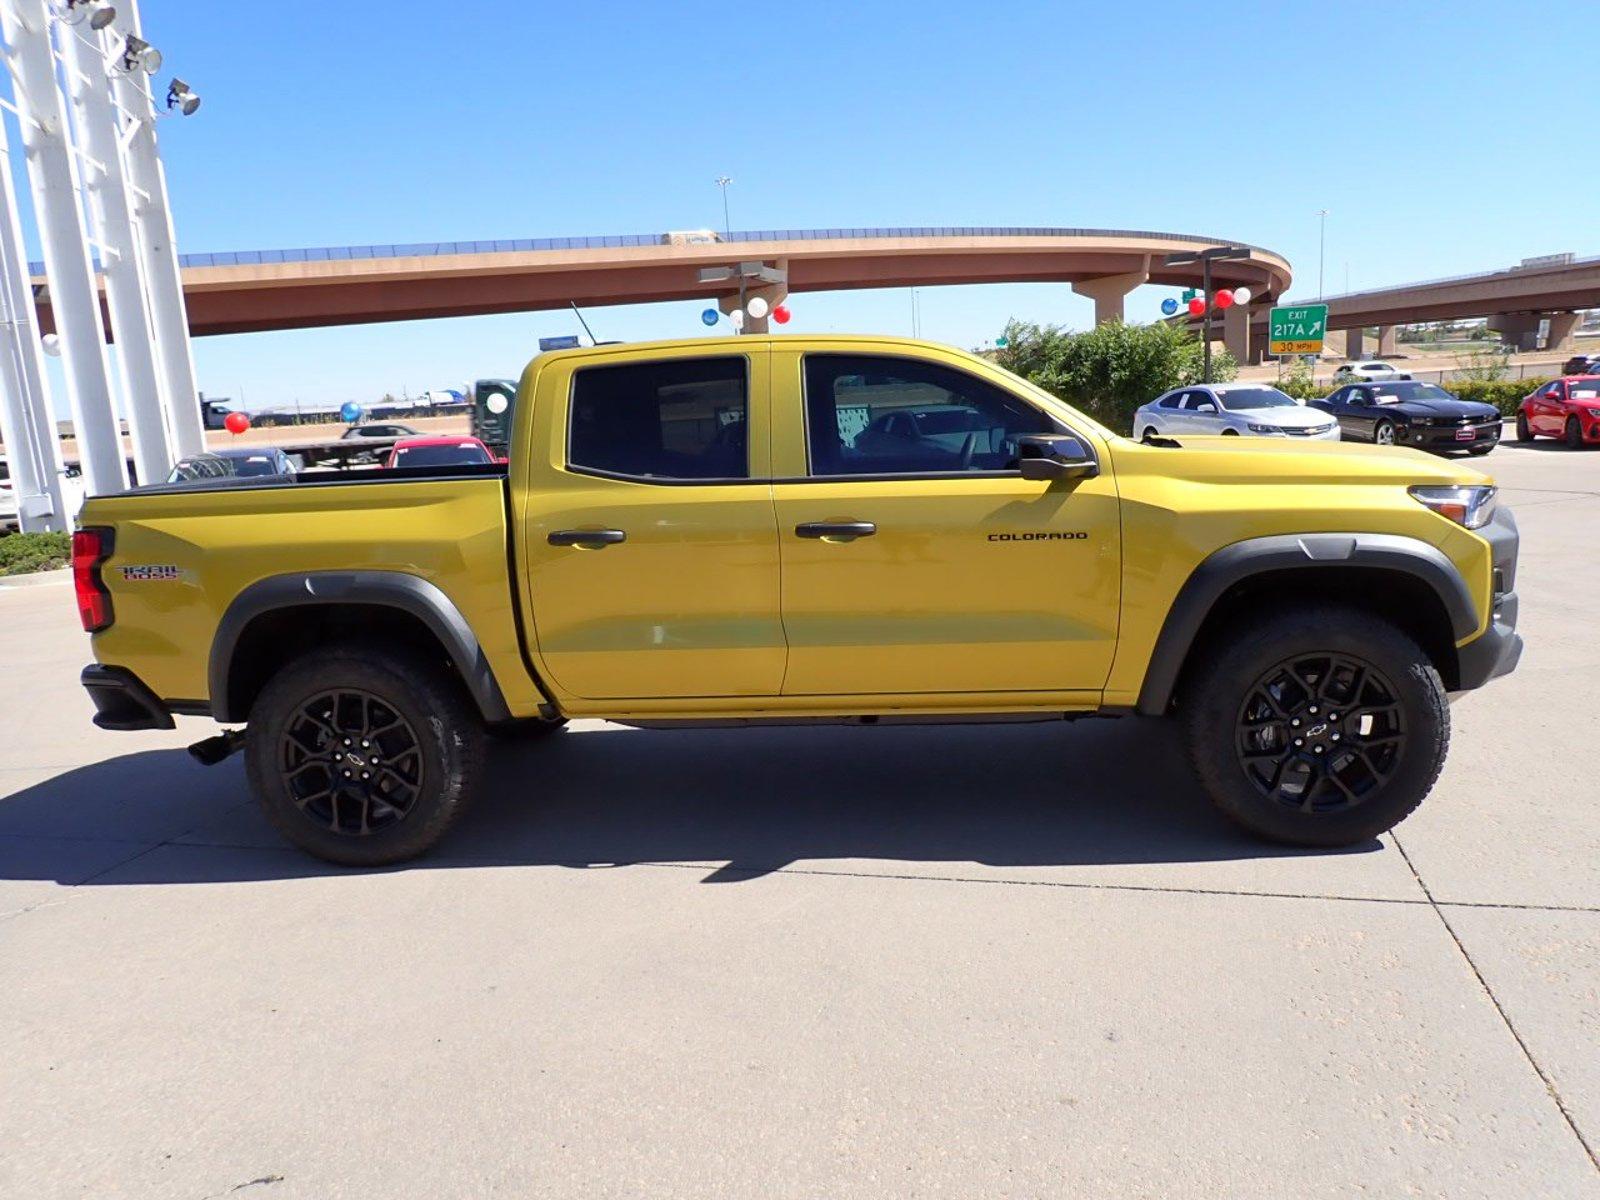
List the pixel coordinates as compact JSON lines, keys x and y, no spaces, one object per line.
{"x":91,"y":548}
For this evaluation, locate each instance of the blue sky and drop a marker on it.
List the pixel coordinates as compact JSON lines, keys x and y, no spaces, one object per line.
{"x":1440,"y":138}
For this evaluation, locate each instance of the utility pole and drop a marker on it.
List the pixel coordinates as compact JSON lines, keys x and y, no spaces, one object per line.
{"x":1322,"y":246}
{"x":1205,"y":258}
{"x":722,"y":181}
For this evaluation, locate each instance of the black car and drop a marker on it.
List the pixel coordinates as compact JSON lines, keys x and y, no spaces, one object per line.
{"x":1581,"y":364}
{"x":1407,"y":413}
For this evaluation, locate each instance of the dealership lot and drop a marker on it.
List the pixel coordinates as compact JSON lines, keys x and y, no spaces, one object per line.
{"x":847,"y":962}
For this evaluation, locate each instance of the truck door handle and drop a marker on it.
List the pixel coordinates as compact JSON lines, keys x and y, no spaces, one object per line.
{"x":594,"y":538}
{"x":843,"y":530}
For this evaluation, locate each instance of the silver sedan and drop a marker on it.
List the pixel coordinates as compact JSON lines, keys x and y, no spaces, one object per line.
{"x":1232,"y":409}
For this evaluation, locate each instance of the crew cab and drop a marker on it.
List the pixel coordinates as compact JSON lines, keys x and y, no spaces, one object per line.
{"x":731,"y":531}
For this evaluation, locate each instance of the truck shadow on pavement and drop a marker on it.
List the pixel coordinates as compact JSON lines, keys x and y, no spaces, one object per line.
{"x":742,"y":803}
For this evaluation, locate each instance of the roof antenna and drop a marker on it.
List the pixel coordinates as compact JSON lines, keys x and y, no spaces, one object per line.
{"x":592,"y":339}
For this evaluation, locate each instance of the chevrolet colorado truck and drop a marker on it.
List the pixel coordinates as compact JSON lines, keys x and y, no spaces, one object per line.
{"x":792,"y":529}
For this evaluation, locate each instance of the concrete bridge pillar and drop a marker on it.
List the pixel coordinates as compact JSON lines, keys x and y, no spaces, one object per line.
{"x":1562,"y":327}
{"x":1108,"y":292}
{"x":1236,"y":332}
{"x":1519,"y":329}
{"x":1355,"y":340}
{"x":1386,"y":341}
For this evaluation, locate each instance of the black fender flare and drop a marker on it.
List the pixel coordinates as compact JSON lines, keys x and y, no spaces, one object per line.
{"x":392,"y":589}
{"x":1255,"y":556}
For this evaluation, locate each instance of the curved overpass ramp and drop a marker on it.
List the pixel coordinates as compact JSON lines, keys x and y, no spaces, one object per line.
{"x":298,"y":289}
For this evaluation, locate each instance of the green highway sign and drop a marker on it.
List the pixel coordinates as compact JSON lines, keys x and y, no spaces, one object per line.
{"x":1297,"y":330}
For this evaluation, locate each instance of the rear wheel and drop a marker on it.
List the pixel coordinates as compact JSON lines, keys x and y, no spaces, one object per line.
{"x":1320,"y":726}
{"x":1574,"y":437}
{"x":1524,"y":430}
{"x":1383,"y":433}
{"x":362,"y":756}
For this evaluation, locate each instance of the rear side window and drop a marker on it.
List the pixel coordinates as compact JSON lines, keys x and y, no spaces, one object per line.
{"x":676,"y":419}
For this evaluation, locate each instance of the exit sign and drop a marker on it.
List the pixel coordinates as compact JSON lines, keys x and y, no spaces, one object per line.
{"x":1297,"y":329}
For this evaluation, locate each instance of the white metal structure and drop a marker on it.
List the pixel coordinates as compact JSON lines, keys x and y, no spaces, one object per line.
{"x":53,"y":176}
{"x":1223,"y":409}
{"x":97,"y":186}
{"x":27,"y":425}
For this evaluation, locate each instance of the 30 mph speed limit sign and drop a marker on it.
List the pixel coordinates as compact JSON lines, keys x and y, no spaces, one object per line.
{"x":1297,"y":330}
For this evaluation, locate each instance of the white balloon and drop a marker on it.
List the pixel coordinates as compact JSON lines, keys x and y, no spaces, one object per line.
{"x":1241,"y":295}
{"x":736,"y":319}
{"x":758,"y":307}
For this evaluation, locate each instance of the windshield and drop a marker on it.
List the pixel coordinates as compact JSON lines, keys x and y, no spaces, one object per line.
{"x":219,"y":467}
{"x":949,"y":420}
{"x":1393,"y":393}
{"x":440,"y":456}
{"x":1235,"y":399}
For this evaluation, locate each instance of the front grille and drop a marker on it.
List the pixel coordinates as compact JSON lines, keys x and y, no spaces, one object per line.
{"x":1306,"y":432}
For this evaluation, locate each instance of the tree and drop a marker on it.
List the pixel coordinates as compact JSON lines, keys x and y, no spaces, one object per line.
{"x":1112,"y":369}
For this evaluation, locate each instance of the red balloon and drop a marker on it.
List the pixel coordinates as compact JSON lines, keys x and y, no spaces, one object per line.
{"x":1197,"y":306}
{"x":781,"y":314}
{"x":236,"y":422}
{"x":1223,"y":299}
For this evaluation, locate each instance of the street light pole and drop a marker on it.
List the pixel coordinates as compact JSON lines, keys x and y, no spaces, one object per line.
{"x":1322,"y":246}
{"x":722,"y":182}
{"x":1205,"y":258}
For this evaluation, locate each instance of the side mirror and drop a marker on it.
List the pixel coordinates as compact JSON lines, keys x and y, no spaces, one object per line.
{"x":1046,"y":456}
{"x":1205,"y":406}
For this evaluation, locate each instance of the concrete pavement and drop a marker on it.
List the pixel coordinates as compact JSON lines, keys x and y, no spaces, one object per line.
{"x":1013,"y":961}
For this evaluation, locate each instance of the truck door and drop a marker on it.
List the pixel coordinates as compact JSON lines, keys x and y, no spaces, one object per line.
{"x":921,"y":561}
{"x":647,"y":526}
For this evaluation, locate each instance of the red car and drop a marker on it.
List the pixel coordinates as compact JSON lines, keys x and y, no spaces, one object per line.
{"x":1565,"y":408}
{"x":439,"y":452}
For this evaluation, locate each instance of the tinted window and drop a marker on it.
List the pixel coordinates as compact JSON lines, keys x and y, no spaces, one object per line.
{"x":1263,"y":397}
{"x":440,"y":456}
{"x":879,"y":415}
{"x":678,"y":419}
{"x":1173,"y":401}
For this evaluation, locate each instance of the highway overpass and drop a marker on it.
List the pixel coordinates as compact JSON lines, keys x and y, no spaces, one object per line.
{"x":1514,"y":301}
{"x":299,"y":289}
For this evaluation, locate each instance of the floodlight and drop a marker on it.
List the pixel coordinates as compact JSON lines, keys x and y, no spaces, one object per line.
{"x":99,"y":12}
{"x":139,"y":55}
{"x":182,"y":97}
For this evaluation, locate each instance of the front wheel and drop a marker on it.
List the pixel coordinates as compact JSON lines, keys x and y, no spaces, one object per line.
{"x":1383,"y":433}
{"x":1524,"y":430}
{"x":1149,"y":435}
{"x":362,"y":756}
{"x":1319,"y":726}
{"x":1574,"y":438}
{"x":1230,"y":433}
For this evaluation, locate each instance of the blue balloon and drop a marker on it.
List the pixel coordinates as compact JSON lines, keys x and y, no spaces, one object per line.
{"x":350,"y":412}
{"x":1169,"y":306}
{"x":709,"y":316}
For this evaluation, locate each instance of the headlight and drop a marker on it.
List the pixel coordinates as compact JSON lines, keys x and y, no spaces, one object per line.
{"x":1422,"y":420}
{"x":1254,"y":428}
{"x":1593,"y":412}
{"x":1470,"y":505}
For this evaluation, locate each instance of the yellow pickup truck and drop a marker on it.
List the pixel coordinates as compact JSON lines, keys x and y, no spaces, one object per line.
{"x":793,"y":529}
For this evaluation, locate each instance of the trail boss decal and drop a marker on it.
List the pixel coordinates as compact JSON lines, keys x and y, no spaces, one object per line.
{"x":155,"y":573}
{"x":1075,"y":535}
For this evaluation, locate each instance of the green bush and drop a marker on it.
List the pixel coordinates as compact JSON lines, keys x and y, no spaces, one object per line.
{"x":1504,"y":394}
{"x":1112,"y":369}
{"x":23,"y":553}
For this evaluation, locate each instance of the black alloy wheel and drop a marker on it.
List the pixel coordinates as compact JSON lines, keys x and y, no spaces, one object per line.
{"x":1320,"y":732}
{"x":351,"y":763}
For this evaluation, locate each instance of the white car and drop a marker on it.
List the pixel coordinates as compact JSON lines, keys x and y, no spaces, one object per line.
{"x":1229,"y":409}
{"x":1372,"y":370}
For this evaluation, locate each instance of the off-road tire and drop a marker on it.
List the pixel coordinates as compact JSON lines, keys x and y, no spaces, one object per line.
{"x":1213,"y":701}
{"x":436,"y":714}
